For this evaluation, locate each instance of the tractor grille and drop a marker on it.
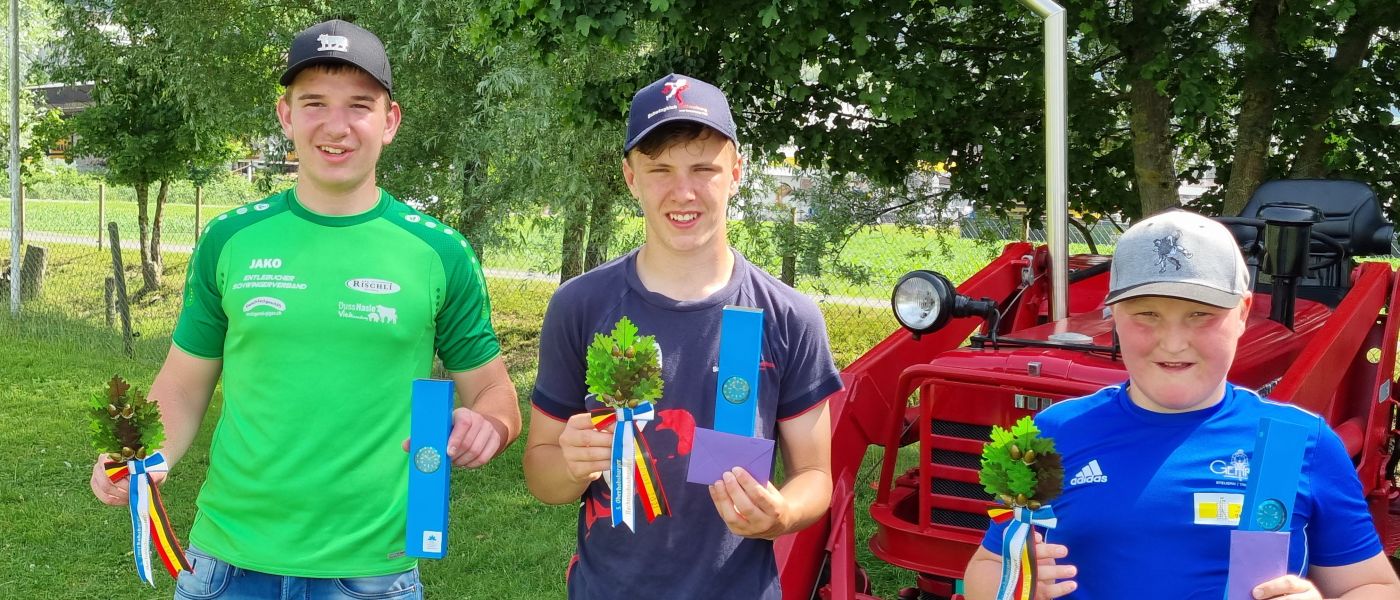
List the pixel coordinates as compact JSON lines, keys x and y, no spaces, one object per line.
{"x":961,"y":489}
{"x":958,"y":518}
{"x":967,"y":431}
{"x":953,"y":458}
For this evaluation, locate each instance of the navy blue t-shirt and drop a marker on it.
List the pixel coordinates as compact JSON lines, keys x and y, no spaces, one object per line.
{"x":691,"y":553}
{"x":1152,"y":497}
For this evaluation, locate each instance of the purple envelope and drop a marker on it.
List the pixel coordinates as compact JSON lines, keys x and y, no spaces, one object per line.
{"x":1255,"y":557}
{"x":715,"y":452}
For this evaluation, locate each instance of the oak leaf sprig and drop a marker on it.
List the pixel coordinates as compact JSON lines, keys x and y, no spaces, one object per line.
{"x":124,"y":423}
{"x":624,"y":369}
{"x":1020,"y":468}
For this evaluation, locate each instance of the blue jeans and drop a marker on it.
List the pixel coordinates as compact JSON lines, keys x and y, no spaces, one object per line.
{"x":215,"y":579}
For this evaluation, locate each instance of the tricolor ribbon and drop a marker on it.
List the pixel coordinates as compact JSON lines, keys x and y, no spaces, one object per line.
{"x":1018,"y":549}
{"x":148,"y":519}
{"x":633,"y":470}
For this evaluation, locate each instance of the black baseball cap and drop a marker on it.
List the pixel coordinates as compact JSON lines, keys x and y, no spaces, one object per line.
{"x":677,"y":98}
{"x":337,"y":41}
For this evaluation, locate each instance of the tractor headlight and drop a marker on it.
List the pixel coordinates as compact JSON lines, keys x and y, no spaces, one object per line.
{"x":922,"y":301}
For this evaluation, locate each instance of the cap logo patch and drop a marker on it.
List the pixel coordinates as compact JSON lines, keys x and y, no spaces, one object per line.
{"x":335,"y":43}
{"x":1168,"y":250}
{"x":673,"y":89}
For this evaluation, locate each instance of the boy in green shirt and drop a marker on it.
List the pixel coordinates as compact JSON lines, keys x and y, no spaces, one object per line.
{"x":319,"y":306}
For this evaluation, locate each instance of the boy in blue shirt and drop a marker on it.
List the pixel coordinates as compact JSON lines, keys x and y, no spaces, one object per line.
{"x":1148,"y":463}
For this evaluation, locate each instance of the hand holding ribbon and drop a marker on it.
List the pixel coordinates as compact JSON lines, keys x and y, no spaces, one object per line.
{"x":148,"y":518}
{"x":633,"y":470}
{"x":1018,"y":559}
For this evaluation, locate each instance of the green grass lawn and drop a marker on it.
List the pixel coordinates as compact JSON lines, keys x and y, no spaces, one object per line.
{"x":62,"y":543}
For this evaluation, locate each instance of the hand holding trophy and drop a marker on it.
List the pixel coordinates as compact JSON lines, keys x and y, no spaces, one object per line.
{"x":126,"y":427}
{"x":624,"y":373}
{"x":1022,"y":470}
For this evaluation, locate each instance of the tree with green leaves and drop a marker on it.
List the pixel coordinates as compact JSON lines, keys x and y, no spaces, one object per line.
{"x":1161,"y":91}
{"x":490,"y":132}
{"x":169,"y":97}
{"x":144,"y":139}
{"x":519,"y":143}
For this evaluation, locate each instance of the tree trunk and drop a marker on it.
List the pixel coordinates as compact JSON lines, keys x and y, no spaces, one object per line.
{"x":789,"y":239}
{"x":1352,"y":49}
{"x":150,"y":240}
{"x":600,"y":230}
{"x":572,"y":247}
{"x":156,"y":224}
{"x":1087,"y":233}
{"x":1254,"y":126}
{"x":1154,"y":171}
{"x":143,"y":218}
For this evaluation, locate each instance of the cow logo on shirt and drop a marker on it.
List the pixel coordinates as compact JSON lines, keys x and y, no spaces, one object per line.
{"x":374,"y":313}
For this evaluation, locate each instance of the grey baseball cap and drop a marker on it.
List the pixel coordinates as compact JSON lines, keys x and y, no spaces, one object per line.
{"x":336,"y":41}
{"x":1179,"y":254}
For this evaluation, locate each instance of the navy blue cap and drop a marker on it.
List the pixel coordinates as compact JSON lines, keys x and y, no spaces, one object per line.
{"x":677,"y":98}
{"x":337,"y":41}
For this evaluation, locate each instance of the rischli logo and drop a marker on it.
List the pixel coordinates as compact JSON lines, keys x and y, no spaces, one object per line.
{"x":336,"y":43}
{"x":1091,"y":473}
{"x":372,"y":286}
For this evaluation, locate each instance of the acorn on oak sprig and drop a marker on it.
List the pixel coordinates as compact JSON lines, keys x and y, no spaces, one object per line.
{"x":124,"y":424}
{"x":1020,"y":468}
{"x":624,"y":369}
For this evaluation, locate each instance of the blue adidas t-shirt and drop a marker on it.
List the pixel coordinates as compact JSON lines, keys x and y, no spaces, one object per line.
{"x":691,"y":553}
{"x":1150,"y":498}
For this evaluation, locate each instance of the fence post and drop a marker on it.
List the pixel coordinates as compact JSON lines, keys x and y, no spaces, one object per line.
{"x":32,"y":271}
{"x":119,"y":273}
{"x":109,"y":299}
{"x":198,"y":201}
{"x":21,"y":214}
{"x":101,"y":213}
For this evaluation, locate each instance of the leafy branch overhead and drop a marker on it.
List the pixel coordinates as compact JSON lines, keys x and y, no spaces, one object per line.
{"x":1021,"y":468}
{"x":124,"y":423}
{"x":624,"y":369}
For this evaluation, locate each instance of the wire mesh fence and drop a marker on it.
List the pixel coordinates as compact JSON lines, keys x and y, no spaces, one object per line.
{"x":68,"y":285}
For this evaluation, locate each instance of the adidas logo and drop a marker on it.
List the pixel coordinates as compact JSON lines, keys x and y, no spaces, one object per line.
{"x":1089,"y":474}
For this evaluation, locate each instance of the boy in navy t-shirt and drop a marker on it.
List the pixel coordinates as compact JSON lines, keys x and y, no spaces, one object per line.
{"x":1155,"y":468}
{"x":681,"y":162}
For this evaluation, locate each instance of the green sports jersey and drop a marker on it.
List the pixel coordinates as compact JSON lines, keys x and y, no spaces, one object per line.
{"x":322,"y":323}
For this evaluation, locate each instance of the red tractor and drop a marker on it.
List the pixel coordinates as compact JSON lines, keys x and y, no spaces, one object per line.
{"x":1030,"y":329}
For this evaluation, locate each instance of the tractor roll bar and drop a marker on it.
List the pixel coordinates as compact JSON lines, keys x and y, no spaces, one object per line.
{"x":1056,"y":154}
